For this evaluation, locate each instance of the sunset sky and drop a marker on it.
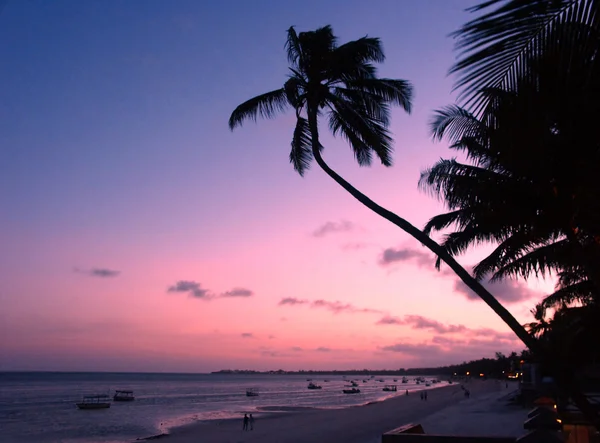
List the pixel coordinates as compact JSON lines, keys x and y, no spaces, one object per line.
{"x":139,"y":234}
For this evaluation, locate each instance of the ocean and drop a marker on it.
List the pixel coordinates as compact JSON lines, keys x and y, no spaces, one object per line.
{"x":40,"y":406}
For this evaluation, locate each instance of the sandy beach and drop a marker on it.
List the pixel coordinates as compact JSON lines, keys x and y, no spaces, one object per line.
{"x":365,"y":424}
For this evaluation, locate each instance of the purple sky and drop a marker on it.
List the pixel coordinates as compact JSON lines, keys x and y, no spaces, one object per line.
{"x":138,"y":233}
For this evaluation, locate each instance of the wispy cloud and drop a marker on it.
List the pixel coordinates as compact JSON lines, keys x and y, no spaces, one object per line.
{"x":413,"y":349}
{"x":507,"y":291}
{"x":332,"y":227}
{"x":190,"y":287}
{"x":420,"y":322}
{"x":336,"y":307}
{"x":397,"y":255}
{"x":297,"y":349}
{"x":247,"y":335}
{"x":98,"y":272}
{"x":195,"y":289}
{"x":354,"y":246}
{"x":291,"y":301}
{"x":323,"y":349}
{"x":238,"y":292}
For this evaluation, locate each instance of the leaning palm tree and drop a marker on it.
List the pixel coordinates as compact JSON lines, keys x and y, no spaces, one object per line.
{"x":340,"y":82}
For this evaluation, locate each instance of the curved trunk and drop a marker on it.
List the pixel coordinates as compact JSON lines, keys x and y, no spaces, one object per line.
{"x":563,"y":374}
{"x":427,"y":241}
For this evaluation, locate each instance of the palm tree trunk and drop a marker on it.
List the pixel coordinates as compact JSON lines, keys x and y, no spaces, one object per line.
{"x":563,"y":375}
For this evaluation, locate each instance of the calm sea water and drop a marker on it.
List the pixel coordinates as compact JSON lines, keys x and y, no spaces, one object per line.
{"x":40,"y":407}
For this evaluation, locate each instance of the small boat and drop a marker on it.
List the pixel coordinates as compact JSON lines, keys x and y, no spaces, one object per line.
{"x":354,"y":384}
{"x":395,"y":379}
{"x":351,"y":391}
{"x":364,"y":381}
{"x":123,"y":396}
{"x":404,"y":380}
{"x":94,"y":402}
{"x":381,"y":380}
{"x":252,"y":392}
{"x":390,"y":388}
{"x":311,"y":385}
{"x":427,"y":384}
{"x":325,"y":381}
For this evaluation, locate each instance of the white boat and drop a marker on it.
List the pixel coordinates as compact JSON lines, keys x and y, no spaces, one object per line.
{"x":311,"y":385}
{"x":390,"y":388}
{"x":123,"y":396}
{"x":94,"y":402}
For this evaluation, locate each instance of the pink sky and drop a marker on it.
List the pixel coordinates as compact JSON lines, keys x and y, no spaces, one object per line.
{"x":223,"y":256}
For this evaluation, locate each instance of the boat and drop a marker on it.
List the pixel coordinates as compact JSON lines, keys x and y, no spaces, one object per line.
{"x":395,"y":379}
{"x":390,"y":388}
{"x":427,"y":384}
{"x":94,"y":402}
{"x":325,"y":381}
{"x":311,"y":385}
{"x":351,"y":391}
{"x":354,"y":384}
{"x":364,"y":381}
{"x":252,"y":392}
{"x":123,"y":396}
{"x":404,"y":380}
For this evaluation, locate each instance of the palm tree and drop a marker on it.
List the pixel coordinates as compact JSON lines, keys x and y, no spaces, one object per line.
{"x":340,"y":81}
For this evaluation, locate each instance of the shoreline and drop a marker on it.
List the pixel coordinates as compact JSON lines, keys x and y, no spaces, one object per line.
{"x":357,"y":423}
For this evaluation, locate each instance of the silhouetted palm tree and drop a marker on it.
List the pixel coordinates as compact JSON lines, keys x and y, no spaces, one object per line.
{"x":340,"y":81}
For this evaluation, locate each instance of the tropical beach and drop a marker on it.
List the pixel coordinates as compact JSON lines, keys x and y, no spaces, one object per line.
{"x":365,"y":424}
{"x":328,"y":220}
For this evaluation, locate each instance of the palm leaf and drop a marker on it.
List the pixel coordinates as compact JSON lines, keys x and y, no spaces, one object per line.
{"x":266,"y":105}
{"x":301,"y":153}
{"x":497,"y":48}
{"x":396,"y":92}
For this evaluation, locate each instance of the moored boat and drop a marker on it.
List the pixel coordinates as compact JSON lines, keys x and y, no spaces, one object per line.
{"x":312,"y":385}
{"x":390,"y":388}
{"x":123,"y":396}
{"x":351,"y":391}
{"x":94,"y":402}
{"x":252,"y":392}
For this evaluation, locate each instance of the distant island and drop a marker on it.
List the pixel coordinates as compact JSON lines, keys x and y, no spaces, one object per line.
{"x":500,"y":367}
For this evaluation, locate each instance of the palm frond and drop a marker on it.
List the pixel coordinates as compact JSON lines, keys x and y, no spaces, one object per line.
{"x":454,"y":122}
{"x":266,"y":105}
{"x":365,"y":134}
{"x":396,"y":92}
{"x":497,"y":48}
{"x":293,"y":47}
{"x":364,"y":50}
{"x":301,"y":153}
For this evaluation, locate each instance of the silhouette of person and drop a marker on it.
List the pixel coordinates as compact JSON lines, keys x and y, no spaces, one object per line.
{"x":422,"y":395}
{"x":425,"y":395}
{"x":245,"y":428}
{"x":251,"y":422}
{"x":407,"y":392}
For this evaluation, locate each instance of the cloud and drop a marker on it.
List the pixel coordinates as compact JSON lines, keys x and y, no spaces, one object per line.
{"x":389,"y":320}
{"x":334,"y":306}
{"x":391,"y":255}
{"x":247,"y":335}
{"x":191,"y":287}
{"x":98,"y":272}
{"x":297,"y":349}
{"x":413,"y":349}
{"x":332,"y":227}
{"x":323,"y":349}
{"x":507,"y":291}
{"x":271,"y":337}
{"x":291,"y":301}
{"x":238,"y":292}
{"x":195,"y":289}
{"x":420,"y":322}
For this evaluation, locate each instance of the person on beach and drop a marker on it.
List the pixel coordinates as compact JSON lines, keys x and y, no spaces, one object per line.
{"x":245,"y":428}
{"x":422,"y":395}
{"x":425,"y":395}
{"x":251,"y":422}
{"x":407,"y":392}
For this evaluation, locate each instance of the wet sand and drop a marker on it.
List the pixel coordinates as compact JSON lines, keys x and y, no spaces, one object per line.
{"x":360,"y":424}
